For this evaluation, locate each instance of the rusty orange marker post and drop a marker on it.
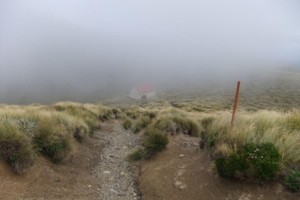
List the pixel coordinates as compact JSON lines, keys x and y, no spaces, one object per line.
{"x":235,"y":104}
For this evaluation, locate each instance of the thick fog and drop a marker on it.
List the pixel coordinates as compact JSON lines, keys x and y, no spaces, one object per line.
{"x":90,"y":50}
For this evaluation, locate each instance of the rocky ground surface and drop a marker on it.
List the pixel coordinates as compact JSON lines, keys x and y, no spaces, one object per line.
{"x":117,"y":178}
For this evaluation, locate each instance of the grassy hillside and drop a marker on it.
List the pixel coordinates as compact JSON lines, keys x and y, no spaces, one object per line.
{"x":52,"y":131}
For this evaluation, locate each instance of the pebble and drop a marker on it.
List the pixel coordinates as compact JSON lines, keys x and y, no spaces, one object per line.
{"x":178,"y":183}
{"x":182,"y":187}
{"x":114,"y":191}
{"x":181,"y":155}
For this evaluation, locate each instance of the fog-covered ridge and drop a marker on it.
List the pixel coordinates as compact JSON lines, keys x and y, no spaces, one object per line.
{"x":89,"y":50}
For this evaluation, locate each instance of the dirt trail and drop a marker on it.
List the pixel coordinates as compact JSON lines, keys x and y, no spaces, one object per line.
{"x":116,"y":177}
{"x":97,"y":170}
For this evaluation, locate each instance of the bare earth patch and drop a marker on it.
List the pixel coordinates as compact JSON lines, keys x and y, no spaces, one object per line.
{"x":184,"y":172}
{"x":70,"y":180}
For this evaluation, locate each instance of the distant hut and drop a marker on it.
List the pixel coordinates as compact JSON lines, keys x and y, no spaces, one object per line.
{"x":142,"y":92}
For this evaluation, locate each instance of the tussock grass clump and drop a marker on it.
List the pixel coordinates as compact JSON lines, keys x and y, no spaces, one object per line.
{"x":52,"y":140}
{"x":178,"y":124}
{"x":80,"y":111}
{"x":132,"y":114}
{"x":261,"y":127}
{"x":154,"y":141}
{"x":142,"y":123}
{"x":127,"y":124}
{"x":26,"y":131}
{"x":275,"y":134}
{"x":16,"y":148}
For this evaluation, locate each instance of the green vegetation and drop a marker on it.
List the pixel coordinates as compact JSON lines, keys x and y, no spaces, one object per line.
{"x":142,"y":123}
{"x":26,"y":131}
{"x":154,"y":141}
{"x":292,"y":180}
{"x":260,"y":127}
{"x":127,"y":124}
{"x":16,"y":148}
{"x":178,"y":124}
{"x":136,"y":155}
{"x":259,"y":161}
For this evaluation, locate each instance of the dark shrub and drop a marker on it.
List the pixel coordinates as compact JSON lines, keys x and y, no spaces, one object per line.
{"x":261,"y":161}
{"x":231,"y":167}
{"x":292,"y":180}
{"x":264,"y":159}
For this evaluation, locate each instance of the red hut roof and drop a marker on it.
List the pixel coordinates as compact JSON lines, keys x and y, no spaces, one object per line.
{"x":145,"y":88}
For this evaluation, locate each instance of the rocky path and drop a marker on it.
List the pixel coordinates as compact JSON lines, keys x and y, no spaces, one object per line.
{"x":116,"y":177}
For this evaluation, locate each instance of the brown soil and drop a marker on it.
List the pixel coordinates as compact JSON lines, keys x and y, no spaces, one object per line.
{"x":45,"y":180}
{"x":181,"y":172}
{"x":184,"y":172}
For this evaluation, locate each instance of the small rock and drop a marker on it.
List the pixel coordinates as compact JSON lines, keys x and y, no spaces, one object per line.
{"x":123,"y":173}
{"x":182,"y":187}
{"x":89,"y":186}
{"x":114,"y":191}
{"x":106,"y":172}
{"x":178,"y":183}
{"x":181,"y":155}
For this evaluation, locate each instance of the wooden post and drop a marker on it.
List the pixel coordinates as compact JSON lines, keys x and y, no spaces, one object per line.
{"x":235,"y":104}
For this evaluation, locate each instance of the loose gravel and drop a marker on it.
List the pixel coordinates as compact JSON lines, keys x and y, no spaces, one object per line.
{"x":117,"y":177}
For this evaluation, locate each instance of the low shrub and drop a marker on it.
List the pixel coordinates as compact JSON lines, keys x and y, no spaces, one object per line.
{"x":292,"y":180}
{"x":259,"y":161}
{"x":264,"y":159}
{"x":233,"y":166}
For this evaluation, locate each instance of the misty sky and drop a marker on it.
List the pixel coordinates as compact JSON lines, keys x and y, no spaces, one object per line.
{"x":90,"y":45}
